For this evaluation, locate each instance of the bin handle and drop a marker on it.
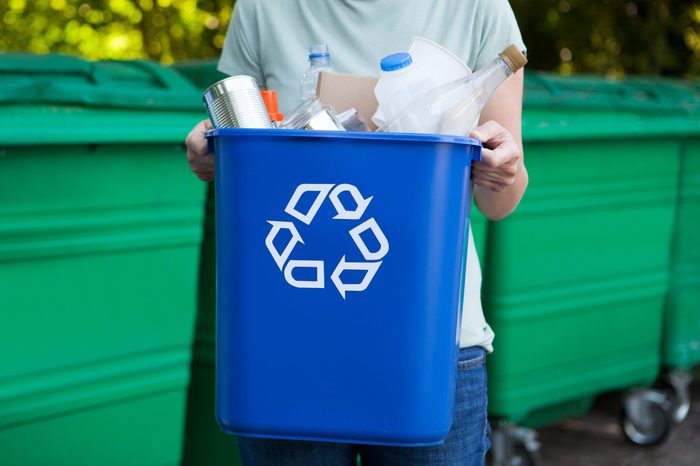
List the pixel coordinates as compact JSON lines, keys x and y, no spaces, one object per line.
{"x":475,"y":154}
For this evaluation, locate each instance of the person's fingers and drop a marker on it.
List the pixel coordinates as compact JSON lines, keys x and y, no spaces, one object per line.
{"x":508,"y":169}
{"x":503,"y":152}
{"x":490,"y":186}
{"x":502,"y":178}
{"x":488,"y":159}
{"x":196,"y":140}
{"x":476,"y":176}
{"x":486,"y":132}
{"x":200,"y":160}
{"x":501,"y":184}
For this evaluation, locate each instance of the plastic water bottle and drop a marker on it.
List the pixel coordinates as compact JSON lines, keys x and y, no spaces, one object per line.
{"x":319,"y":60}
{"x":454,"y":108}
{"x":399,"y":83}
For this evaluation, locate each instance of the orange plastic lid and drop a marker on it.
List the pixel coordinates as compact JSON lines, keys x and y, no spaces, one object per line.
{"x":270,"y":99}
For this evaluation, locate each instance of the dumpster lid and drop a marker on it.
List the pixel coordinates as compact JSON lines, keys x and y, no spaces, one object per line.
{"x":584,"y":107}
{"x":637,"y":94}
{"x":60,"y":79}
{"x":201,"y":73}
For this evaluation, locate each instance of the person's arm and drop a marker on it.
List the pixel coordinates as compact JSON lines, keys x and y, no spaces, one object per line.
{"x":500,"y":179}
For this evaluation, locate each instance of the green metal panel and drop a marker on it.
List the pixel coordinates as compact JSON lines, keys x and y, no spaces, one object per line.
{"x":134,"y":431}
{"x":682,"y":329}
{"x":577,"y":277}
{"x":205,"y":443}
{"x":99,"y":246}
{"x":479,"y":225}
{"x":97,"y":286}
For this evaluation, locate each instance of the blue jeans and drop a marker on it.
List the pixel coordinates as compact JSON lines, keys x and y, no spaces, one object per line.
{"x":465,"y":445}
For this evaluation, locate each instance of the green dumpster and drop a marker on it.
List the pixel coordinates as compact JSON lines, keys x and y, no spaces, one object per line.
{"x":681,"y":343}
{"x":100,"y":230}
{"x":575,"y":280}
{"x":205,"y":443}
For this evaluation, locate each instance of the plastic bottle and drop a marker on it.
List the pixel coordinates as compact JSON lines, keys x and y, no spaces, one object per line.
{"x":400,"y":82}
{"x":454,"y":108}
{"x":319,"y":60}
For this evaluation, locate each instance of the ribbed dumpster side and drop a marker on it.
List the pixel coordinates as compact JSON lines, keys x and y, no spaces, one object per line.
{"x":681,"y":349}
{"x":205,"y":443}
{"x":100,"y":228}
{"x":577,"y":276}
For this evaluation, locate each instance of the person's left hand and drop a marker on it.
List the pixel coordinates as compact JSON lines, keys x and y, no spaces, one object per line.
{"x":500,"y":157}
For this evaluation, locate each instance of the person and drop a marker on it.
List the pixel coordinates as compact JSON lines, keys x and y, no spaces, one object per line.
{"x":269,"y":39}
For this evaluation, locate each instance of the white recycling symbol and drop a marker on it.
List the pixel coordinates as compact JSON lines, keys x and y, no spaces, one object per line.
{"x":373,"y":258}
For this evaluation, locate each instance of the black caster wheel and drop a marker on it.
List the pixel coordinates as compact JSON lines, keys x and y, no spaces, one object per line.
{"x":646,"y":416}
{"x":677,"y":383}
{"x":522,"y":456}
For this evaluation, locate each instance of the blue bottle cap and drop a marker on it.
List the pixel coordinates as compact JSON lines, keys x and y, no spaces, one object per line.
{"x":396,"y":61}
{"x":319,"y":51}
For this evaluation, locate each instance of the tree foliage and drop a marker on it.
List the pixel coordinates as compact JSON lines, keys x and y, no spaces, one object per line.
{"x":164,"y":30}
{"x":612,"y":37}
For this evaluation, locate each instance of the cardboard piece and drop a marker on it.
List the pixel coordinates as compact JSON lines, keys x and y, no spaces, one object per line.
{"x":344,"y":91}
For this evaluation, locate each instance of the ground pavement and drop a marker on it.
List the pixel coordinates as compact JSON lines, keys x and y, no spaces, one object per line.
{"x":596,"y":440}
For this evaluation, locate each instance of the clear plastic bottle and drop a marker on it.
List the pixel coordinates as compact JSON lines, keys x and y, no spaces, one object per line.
{"x":319,"y":60}
{"x":399,"y":83}
{"x":454,"y":108}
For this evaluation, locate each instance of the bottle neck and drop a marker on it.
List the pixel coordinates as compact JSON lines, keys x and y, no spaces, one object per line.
{"x":490,"y":77}
{"x":318,"y":62}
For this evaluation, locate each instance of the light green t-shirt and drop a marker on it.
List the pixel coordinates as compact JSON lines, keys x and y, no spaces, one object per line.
{"x":269,"y":40}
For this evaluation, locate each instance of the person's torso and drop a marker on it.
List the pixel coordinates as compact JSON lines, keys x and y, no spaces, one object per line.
{"x":358,"y":32}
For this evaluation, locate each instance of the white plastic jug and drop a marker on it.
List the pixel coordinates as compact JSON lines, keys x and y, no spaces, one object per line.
{"x":400,"y":82}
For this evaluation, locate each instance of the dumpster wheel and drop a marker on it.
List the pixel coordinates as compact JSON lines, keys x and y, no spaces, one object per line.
{"x":646,"y":416}
{"x":677,"y":383}
{"x":525,"y":456}
{"x":513,"y":445}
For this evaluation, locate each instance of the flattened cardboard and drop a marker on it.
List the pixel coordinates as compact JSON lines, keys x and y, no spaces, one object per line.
{"x":344,"y":91}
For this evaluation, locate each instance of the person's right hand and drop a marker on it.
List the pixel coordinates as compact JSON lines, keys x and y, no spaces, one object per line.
{"x":200,"y":160}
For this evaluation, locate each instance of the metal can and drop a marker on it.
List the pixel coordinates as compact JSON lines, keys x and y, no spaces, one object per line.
{"x":235,"y":102}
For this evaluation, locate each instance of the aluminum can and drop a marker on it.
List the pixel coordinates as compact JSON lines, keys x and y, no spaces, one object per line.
{"x":235,"y":102}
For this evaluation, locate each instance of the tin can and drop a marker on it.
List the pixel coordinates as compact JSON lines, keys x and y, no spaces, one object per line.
{"x":235,"y":102}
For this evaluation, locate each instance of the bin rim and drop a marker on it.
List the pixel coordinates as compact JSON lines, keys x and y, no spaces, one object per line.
{"x":465,"y":140}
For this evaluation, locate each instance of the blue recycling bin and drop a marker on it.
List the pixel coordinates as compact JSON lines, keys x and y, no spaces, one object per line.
{"x":339,"y":259}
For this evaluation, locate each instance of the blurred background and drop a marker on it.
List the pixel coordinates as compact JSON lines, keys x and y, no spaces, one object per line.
{"x":611,"y":38}
{"x":592,"y":286}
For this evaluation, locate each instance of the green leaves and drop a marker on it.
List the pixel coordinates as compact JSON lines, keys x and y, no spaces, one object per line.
{"x":614,"y":37}
{"x":163,"y":30}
